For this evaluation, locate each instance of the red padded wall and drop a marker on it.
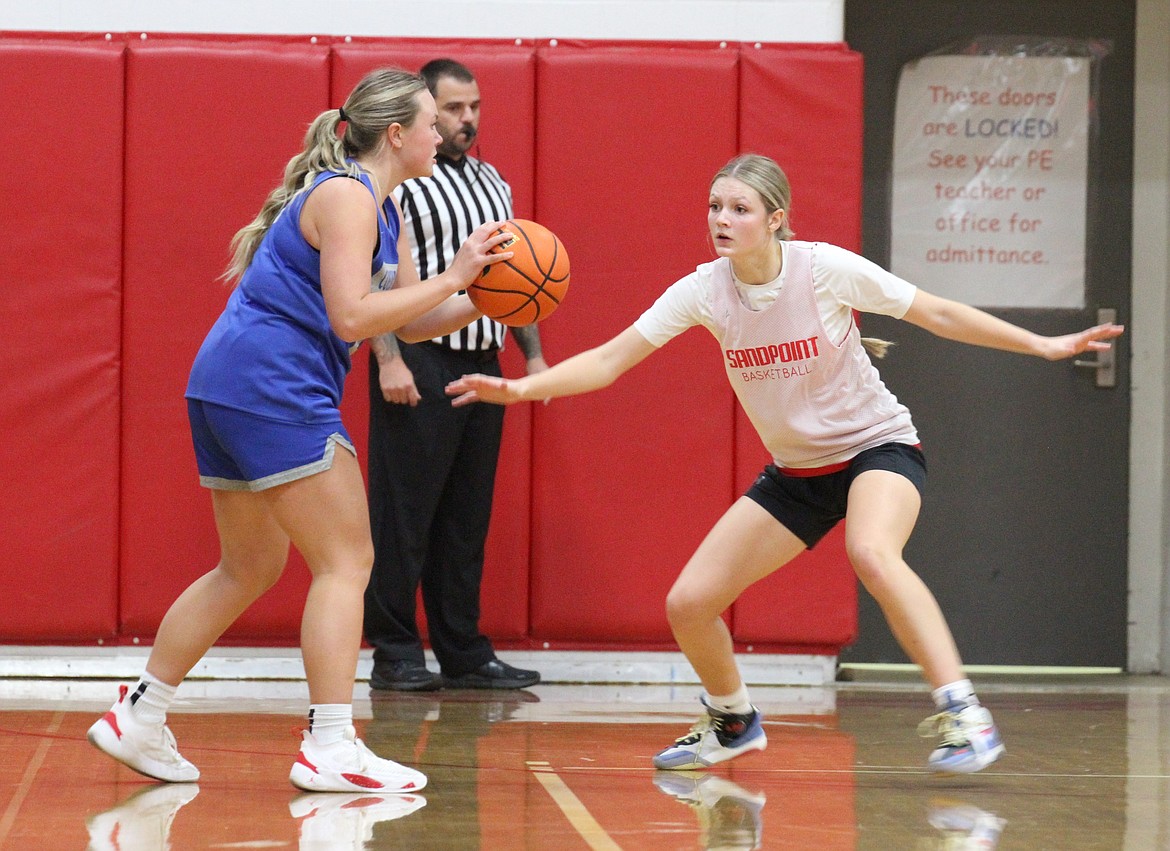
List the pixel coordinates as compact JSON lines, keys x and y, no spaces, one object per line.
{"x":600,"y":499}
{"x":210,"y":127}
{"x":802,"y":106}
{"x":60,"y":346}
{"x":627,"y":480}
{"x":506,"y":76}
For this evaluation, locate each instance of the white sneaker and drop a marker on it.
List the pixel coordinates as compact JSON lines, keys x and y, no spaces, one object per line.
{"x":333,"y":822}
{"x":349,"y":766}
{"x":143,"y":820}
{"x":717,"y":736}
{"x":969,"y":741}
{"x":147,"y":748}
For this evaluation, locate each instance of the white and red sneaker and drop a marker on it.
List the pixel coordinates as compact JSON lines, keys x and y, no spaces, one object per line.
{"x":147,"y":748}
{"x":349,"y":766}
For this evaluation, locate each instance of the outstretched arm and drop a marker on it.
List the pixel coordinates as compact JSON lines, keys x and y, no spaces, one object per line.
{"x":590,"y":370}
{"x":962,"y":323}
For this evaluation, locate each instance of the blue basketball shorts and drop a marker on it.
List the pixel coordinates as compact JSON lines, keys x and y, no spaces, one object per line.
{"x":239,"y":451}
{"x":809,"y":506}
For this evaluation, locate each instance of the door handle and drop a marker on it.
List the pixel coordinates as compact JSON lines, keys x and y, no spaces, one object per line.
{"x":1106,"y":361}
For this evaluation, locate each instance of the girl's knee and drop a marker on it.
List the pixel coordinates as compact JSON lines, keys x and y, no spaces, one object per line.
{"x":253,"y":579}
{"x":354,"y":571}
{"x":351,"y":562}
{"x":874,"y":564}
{"x":684,"y":605}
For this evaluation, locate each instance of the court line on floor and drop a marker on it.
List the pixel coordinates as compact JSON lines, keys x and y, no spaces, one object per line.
{"x":899,"y":770}
{"x":26,"y":781}
{"x":575,"y":811}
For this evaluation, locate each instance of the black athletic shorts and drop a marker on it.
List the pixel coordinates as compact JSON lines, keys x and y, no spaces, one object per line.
{"x":809,"y":506}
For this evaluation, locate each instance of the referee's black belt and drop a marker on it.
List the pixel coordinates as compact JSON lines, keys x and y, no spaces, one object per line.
{"x":470,"y":355}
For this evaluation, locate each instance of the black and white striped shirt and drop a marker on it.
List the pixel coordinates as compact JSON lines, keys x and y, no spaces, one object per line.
{"x":439,"y":213}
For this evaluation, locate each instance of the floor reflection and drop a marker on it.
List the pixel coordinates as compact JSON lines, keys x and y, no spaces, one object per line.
{"x":567,"y":767}
{"x":329,"y":821}
{"x":445,"y":734}
{"x":729,"y":816}
{"x":963,"y":827}
{"x":142,"y":820}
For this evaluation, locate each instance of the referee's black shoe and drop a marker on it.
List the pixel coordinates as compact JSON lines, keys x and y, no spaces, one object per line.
{"x":494,"y":674}
{"x":404,"y":675}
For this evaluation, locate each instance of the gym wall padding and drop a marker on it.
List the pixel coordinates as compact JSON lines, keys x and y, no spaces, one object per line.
{"x":60,"y":338}
{"x":209,"y":128}
{"x":628,"y":479}
{"x":600,"y":500}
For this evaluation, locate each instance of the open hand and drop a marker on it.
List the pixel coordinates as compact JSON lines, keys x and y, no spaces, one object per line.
{"x":1090,"y":340}
{"x":481,"y":388}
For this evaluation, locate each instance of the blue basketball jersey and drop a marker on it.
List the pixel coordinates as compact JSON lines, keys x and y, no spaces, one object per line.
{"x":272,"y":351}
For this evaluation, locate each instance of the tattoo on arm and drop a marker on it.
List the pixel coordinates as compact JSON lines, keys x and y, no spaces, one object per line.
{"x":529,"y":339}
{"x":385,"y":347}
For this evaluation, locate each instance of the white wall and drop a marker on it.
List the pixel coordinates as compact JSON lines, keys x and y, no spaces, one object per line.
{"x":701,"y":20}
{"x":1149,"y":550}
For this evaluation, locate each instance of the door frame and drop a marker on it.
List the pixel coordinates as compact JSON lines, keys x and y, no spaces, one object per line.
{"x":1149,"y":329}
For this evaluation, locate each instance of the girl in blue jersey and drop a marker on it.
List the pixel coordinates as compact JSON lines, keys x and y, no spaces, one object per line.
{"x":319,"y":269}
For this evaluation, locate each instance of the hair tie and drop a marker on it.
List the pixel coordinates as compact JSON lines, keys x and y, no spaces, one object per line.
{"x":341,"y":112}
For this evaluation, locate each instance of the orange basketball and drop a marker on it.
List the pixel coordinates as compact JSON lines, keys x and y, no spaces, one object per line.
{"x":530,"y":286}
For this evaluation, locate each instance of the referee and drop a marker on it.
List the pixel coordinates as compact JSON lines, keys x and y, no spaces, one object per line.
{"x":432,"y":466}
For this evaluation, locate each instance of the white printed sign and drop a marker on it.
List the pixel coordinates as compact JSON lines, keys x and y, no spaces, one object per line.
{"x":989,"y":179}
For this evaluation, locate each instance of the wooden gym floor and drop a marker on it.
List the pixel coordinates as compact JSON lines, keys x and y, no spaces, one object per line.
{"x":567,"y":767}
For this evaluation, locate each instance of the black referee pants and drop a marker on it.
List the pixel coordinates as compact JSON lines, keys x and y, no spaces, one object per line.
{"x":432,"y":471}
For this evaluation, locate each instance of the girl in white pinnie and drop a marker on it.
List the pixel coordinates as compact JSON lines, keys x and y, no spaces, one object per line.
{"x":842,"y":444}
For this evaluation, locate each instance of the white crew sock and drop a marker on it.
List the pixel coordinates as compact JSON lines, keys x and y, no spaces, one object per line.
{"x":957,"y":695}
{"x":737,"y":703}
{"x":151,"y":698}
{"x":329,"y":721}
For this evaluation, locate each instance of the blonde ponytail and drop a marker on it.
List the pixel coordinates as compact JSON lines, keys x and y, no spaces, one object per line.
{"x":323,"y":152}
{"x":876,"y":348}
{"x":383,"y":97}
